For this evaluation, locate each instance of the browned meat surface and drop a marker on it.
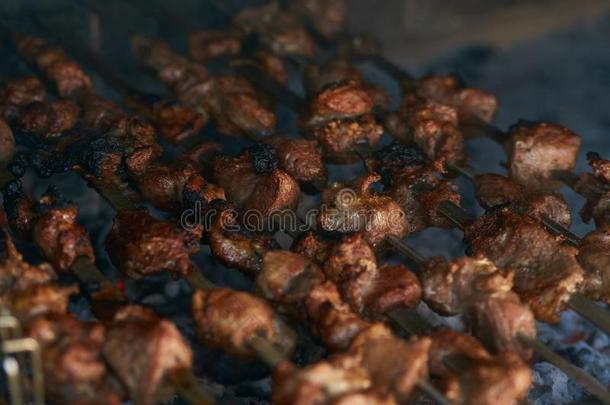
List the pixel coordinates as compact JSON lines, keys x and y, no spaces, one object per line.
{"x":38,"y":299}
{"x":469,"y":102}
{"x":160,"y":349}
{"x":272,"y":65}
{"x":48,"y":120}
{"x":74,"y":370}
{"x":139,"y":245}
{"x":434,"y":127}
{"x":546,"y":270}
{"x":594,"y":257}
{"x":494,"y":189}
{"x":234,"y":246}
{"x":100,"y":115}
{"x":312,"y":247}
{"x":300,"y":158}
{"x":447,"y":343}
{"x":595,"y":187}
{"x":68,"y":78}
{"x":226,"y":319}
{"x":339,"y":137}
{"x":352,"y":255}
{"x":328,"y":17}
{"x":599,"y":166}
{"x":201,"y":153}
{"x":356,"y":208}
{"x":7,"y":144}
{"x":286,"y":280}
{"x":18,"y":93}
{"x":252,"y":181}
{"x":338,"y":100}
{"x":538,"y":150}
{"x":204,"y":45}
{"x":477,"y":289}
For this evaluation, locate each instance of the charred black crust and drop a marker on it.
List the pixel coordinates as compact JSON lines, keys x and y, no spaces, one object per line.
{"x":51,"y":199}
{"x":19,"y":165}
{"x":264,"y":158}
{"x":13,"y":193}
{"x":396,"y":155}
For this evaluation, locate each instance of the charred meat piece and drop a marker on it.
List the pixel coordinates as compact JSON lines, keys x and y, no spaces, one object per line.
{"x":7,"y":144}
{"x":595,"y":187}
{"x":594,"y":257}
{"x":328,"y":17}
{"x":74,"y":369}
{"x":18,"y":93}
{"x":226,"y":319}
{"x":546,"y":270}
{"x":539,"y":151}
{"x":233,"y":245}
{"x":471,"y":103}
{"x":140,"y":245}
{"x":494,"y":189}
{"x":300,"y":158}
{"x":38,"y":299}
{"x":204,"y":45}
{"x":311,"y":246}
{"x":599,"y":166}
{"x":476,"y":288}
{"x":434,"y":127}
{"x":48,"y":120}
{"x":252,"y":181}
{"x":20,"y":209}
{"x":161,"y":349}
{"x":100,"y":115}
{"x":356,"y":208}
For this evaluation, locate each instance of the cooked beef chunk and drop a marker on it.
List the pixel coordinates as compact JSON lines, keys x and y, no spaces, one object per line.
{"x":38,"y":299}
{"x":594,"y":257}
{"x":48,"y":120}
{"x":595,"y":187}
{"x":300,"y":158}
{"x":18,"y":93}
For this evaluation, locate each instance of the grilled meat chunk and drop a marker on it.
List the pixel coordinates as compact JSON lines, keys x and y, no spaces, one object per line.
{"x":7,"y":144}
{"x":272,"y":65}
{"x":476,"y":288}
{"x":38,"y":299}
{"x":494,"y":189}
{"x":205,"y":45}
{"x":471,"y":103}
{"x":357,"y":208}
{"x":161,"y":349}
{"x":434,"y":127}
{"x":594,"y":257}
{"x":100,"y":115}
{"x":538,"y":151}
{"x":18,"y":93}
{"x":252,"y":181}
{"x":48,"y":120}
{"x":312,"y":247}
{"x":227,"y":319}
{"x":546,"y":270}
{"x":300,"y":158}
{"x":74,"y":369}
{"x":595,"y":187}
{"x":139,"y":245}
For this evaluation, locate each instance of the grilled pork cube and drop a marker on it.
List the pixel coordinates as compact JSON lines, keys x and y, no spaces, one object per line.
{"x":38,"y":299}
{"x":339,"y":137}
{"x":227,"y":319}
{"x":233,"y":245}
{"x":594,"y":257}
{"x":599,"y":166}
{"x":300,"y":158}
{"x":357,"y":208}
{"x":336,"y":101}
{"x":471,"y":103}
{"x":537,"y":151}
{"x":48,"y":120}
{"x":74,"y":369}
{"x":312,"y":247}
{"x":286,"y":280}
{"x":100,"y":115}
{"x":476,"y":288}
{"x":272,"y":65}
{"x":329,"y":18}
{"x":546,"y":270}
{"x":18,"y":93}
{"x":7,"y":144}
{"x":434,"y":127}
{"x":140,"y":245}
{"x":204,"y":45}
{"x":595,"y":187}
{"x":161,"y":350}
{"x":252,"y":181}
{"x":494,"y":189}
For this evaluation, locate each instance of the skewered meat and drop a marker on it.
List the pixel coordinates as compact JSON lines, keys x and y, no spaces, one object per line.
{"x":7,"y":144}
{"x":227,"y":319}
{"x":204,"y":45}
{"x":140,"y":245}
{"x":339,"y":117}
{"x":328,"y":17}
{"x":359,"y":209}
{"x":252,"y":181}
{"x":312,"y":247}
{"x":494,"y":189}
{"x":595,"y":187}
{"x":233,"y":245}
{"x":38,"y":299}
{"x":100,"y":115}
{"x":300,"y":158}
{"x":161,"y":349}
{"x":594,"y":257}
{"x":74,"y":369}
{"x":476,"y":288}
{"x":434,"y":127}
{"x":482,"y":379}
{"x":546,"y":271}
{"x":18,"y":93}
{"x":413,"y":183}
{"x":471,"y":103}
{"x":539,"y":151}
{"x":48,"y":120}
{"x":272,"y":65}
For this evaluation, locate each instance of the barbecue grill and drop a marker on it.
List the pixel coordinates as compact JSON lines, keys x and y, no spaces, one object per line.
{"x":91,"y":40}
